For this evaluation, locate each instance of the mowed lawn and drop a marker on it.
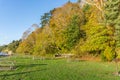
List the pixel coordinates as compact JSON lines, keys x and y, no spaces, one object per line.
{"x":58,"y":69}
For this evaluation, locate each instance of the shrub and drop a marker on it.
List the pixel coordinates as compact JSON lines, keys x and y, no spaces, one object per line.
{"x":108,"y":54}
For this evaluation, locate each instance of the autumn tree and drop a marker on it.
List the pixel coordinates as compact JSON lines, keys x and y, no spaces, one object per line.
{"x":62,"y":19}
{"x":92,"y":28}
{"x":44,"y":43}
{"x":98,"y":37}
{"x":27,"y":45}
{"x":32,"y":28}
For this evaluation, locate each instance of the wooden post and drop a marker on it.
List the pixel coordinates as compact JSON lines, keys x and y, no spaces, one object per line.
{"x":116,"y":63}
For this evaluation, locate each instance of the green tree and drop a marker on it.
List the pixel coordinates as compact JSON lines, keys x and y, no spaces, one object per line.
{"x":73,"y":33}
{"x":45,"y":18}
{"x":13,"y":45}
{"x":2,"y":48}
{"x":112,"y":19}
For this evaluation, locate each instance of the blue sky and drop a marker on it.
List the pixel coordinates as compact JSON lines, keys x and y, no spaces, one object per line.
{"x":18,"y":15}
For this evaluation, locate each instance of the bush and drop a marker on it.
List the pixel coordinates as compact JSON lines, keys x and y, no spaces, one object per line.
{"x":108,"y":54}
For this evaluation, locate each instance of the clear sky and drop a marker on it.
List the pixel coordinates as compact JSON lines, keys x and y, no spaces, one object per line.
{"x":18,"y":15}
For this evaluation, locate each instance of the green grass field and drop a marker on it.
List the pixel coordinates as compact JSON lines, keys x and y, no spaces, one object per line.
{"x":59,"y":69}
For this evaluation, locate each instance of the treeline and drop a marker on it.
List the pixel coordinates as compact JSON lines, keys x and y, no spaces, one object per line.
{"x":92,"y":27}
{"x":11,"y":47}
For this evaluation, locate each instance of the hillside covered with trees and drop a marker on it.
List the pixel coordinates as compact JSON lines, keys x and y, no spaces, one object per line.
{"x":81,"y":28}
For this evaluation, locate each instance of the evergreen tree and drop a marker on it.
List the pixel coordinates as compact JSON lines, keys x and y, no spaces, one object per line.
{"x":73,"y":32}
{"x":112,"y":16}
{"x":45,"y":18}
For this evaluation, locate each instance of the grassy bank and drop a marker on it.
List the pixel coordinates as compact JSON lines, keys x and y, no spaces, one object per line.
{"x":60,"y":69}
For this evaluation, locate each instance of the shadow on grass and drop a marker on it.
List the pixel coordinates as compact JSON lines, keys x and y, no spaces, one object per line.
{"x":6,"y":75}
{"x":7,"y":67}
{"x":19,"y":73}
{"x":30,"y":65}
